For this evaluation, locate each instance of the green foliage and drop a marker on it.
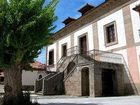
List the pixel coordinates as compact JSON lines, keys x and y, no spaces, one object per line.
{"x":25,"y":27}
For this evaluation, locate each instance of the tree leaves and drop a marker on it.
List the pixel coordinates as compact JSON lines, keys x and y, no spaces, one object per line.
{"x":25,"y":27}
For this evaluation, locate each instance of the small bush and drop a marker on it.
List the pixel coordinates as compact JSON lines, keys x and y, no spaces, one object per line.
{"x":23,"y":99}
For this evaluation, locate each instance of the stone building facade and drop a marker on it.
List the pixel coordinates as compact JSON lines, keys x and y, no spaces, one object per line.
{"x":98,"y":53}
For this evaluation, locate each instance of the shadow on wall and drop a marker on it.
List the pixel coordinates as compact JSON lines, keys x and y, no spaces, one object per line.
{"x":130,"y":87}
{"x":113,"y":80}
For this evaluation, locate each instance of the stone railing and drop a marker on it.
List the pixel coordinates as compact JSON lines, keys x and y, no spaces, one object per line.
{"x":38,"y":85}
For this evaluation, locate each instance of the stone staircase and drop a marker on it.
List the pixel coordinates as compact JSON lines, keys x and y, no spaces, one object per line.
{"x":53,"y":83}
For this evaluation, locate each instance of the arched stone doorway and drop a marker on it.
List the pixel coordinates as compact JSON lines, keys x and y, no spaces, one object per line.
{"x":40,"y":76}
{"x":85,"y":81}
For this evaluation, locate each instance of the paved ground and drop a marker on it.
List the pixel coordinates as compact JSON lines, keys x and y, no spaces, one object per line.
{"x":52,"y":100}
{"x":68,"y":100}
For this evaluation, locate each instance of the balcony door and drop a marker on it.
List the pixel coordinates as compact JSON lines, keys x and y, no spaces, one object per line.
{"x":51,"y":57}
{"x":64,"y":50}
{"x":83,"y":44}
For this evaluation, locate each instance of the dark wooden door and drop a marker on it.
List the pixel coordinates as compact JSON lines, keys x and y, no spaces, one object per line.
{"x":108,"y":82}
{"x":51,"y":57}
{"x":64,"y":50}
{"x":83,"y":44}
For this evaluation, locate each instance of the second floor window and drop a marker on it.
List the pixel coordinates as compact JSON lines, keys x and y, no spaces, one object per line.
{"x":51,"y":57}
{"x":64,"y":50}
{"x":110,"y":34}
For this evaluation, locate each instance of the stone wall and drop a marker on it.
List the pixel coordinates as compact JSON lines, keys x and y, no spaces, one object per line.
{"x":28,"y":88}
{"x":54,"y":86}
{"x":119,"y":75}
{"x":73,"y":84}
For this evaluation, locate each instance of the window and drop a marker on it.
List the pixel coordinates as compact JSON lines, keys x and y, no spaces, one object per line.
{"x":64,"y":50}
{"x":139,"y":32}
{"x":110,"y":34}
{"x":51,"y":57}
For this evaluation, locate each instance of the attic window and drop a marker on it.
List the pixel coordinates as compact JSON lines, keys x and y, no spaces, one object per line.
{"x":86,"y":8}
{"x":137,"y":8}
{"x":68,"y":20}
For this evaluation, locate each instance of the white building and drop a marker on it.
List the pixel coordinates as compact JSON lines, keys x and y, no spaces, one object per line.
{"x":29,"y":77}
{"x":113,"y":26}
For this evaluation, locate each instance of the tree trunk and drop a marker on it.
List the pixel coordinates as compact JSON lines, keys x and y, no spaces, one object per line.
{"x":12,"y":85}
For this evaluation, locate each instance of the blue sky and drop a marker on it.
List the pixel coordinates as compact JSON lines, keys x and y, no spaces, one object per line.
{"x":64,"y":9}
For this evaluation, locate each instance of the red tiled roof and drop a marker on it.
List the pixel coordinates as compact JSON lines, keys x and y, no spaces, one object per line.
{"x":38,"y":66}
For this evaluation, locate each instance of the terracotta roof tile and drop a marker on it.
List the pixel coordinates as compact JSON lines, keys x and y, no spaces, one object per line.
{"x":37,"y":65}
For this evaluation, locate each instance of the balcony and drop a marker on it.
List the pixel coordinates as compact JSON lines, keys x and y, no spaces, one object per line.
{"x":102,"y":56}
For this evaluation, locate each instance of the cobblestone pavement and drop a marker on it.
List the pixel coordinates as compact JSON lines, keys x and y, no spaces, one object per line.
{"x":53,"y":100}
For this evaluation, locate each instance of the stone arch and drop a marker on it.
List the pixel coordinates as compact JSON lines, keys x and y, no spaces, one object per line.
{"x":70,"y":66}
{"x":40,"y":76}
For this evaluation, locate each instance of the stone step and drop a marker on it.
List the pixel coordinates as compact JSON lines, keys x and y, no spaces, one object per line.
{"x":1,"y":89}
{"x":39,"y":93}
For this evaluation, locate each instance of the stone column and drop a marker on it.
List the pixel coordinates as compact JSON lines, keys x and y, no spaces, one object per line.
{"x":97,"y":81}
{"x":72,"y":40}
{"x":95,"y":36}
{"x":91,"y":80}
{"x":57,"y":51}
